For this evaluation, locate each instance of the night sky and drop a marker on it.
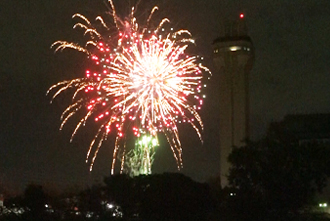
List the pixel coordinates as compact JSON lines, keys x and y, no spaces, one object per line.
{"x":290,"y":76}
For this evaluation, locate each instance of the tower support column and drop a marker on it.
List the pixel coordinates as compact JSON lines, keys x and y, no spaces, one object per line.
{"x":233,"y":57}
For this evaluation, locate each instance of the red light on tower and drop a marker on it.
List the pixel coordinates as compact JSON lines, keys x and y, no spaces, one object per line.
{"x":241,"y":15}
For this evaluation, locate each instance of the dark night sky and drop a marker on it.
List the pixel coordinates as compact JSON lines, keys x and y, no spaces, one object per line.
{"x":290,"y":75}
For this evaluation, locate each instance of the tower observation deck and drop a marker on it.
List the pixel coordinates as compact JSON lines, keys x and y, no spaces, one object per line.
{"x":233,"y":57}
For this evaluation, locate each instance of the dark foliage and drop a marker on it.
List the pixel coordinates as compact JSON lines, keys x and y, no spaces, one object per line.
{"x":168,"y":196}
{"x":274,"y":177}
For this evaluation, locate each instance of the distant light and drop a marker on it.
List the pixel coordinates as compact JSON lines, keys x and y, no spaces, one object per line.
{"x":235,"y":48}
{"x":109,"y":206}
{"x":241,"y":15}
{"x":323,"y":205}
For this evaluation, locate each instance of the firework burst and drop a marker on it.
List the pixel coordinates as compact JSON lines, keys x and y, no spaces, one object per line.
{"x":139,"y":160}
{"x":142,"y":82}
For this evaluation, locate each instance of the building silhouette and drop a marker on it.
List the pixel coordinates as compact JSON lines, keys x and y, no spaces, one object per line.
{"x":305,"y":129}
{"x":233,"y":58}
{"x":302,"y":129}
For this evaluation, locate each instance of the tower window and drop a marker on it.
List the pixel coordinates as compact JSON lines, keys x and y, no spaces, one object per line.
{"x":235,"y":48}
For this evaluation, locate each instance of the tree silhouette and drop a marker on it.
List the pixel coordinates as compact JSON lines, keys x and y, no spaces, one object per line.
{"x":277,"y":175}
{"x":168,"y":196}
{"x":34,"y":200}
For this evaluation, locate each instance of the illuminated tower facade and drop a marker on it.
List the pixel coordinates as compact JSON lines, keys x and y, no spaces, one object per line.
{"x":233,"y":58}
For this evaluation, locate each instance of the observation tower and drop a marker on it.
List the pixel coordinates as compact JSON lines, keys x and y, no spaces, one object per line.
{"x":233,"y":57}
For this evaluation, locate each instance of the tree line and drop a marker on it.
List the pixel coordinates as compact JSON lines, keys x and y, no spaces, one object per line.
{"x":275,"y":178}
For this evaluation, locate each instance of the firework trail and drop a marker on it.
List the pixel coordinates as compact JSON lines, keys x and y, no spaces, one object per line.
{"x":141,"y":82}
{"x":139,"y":160}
